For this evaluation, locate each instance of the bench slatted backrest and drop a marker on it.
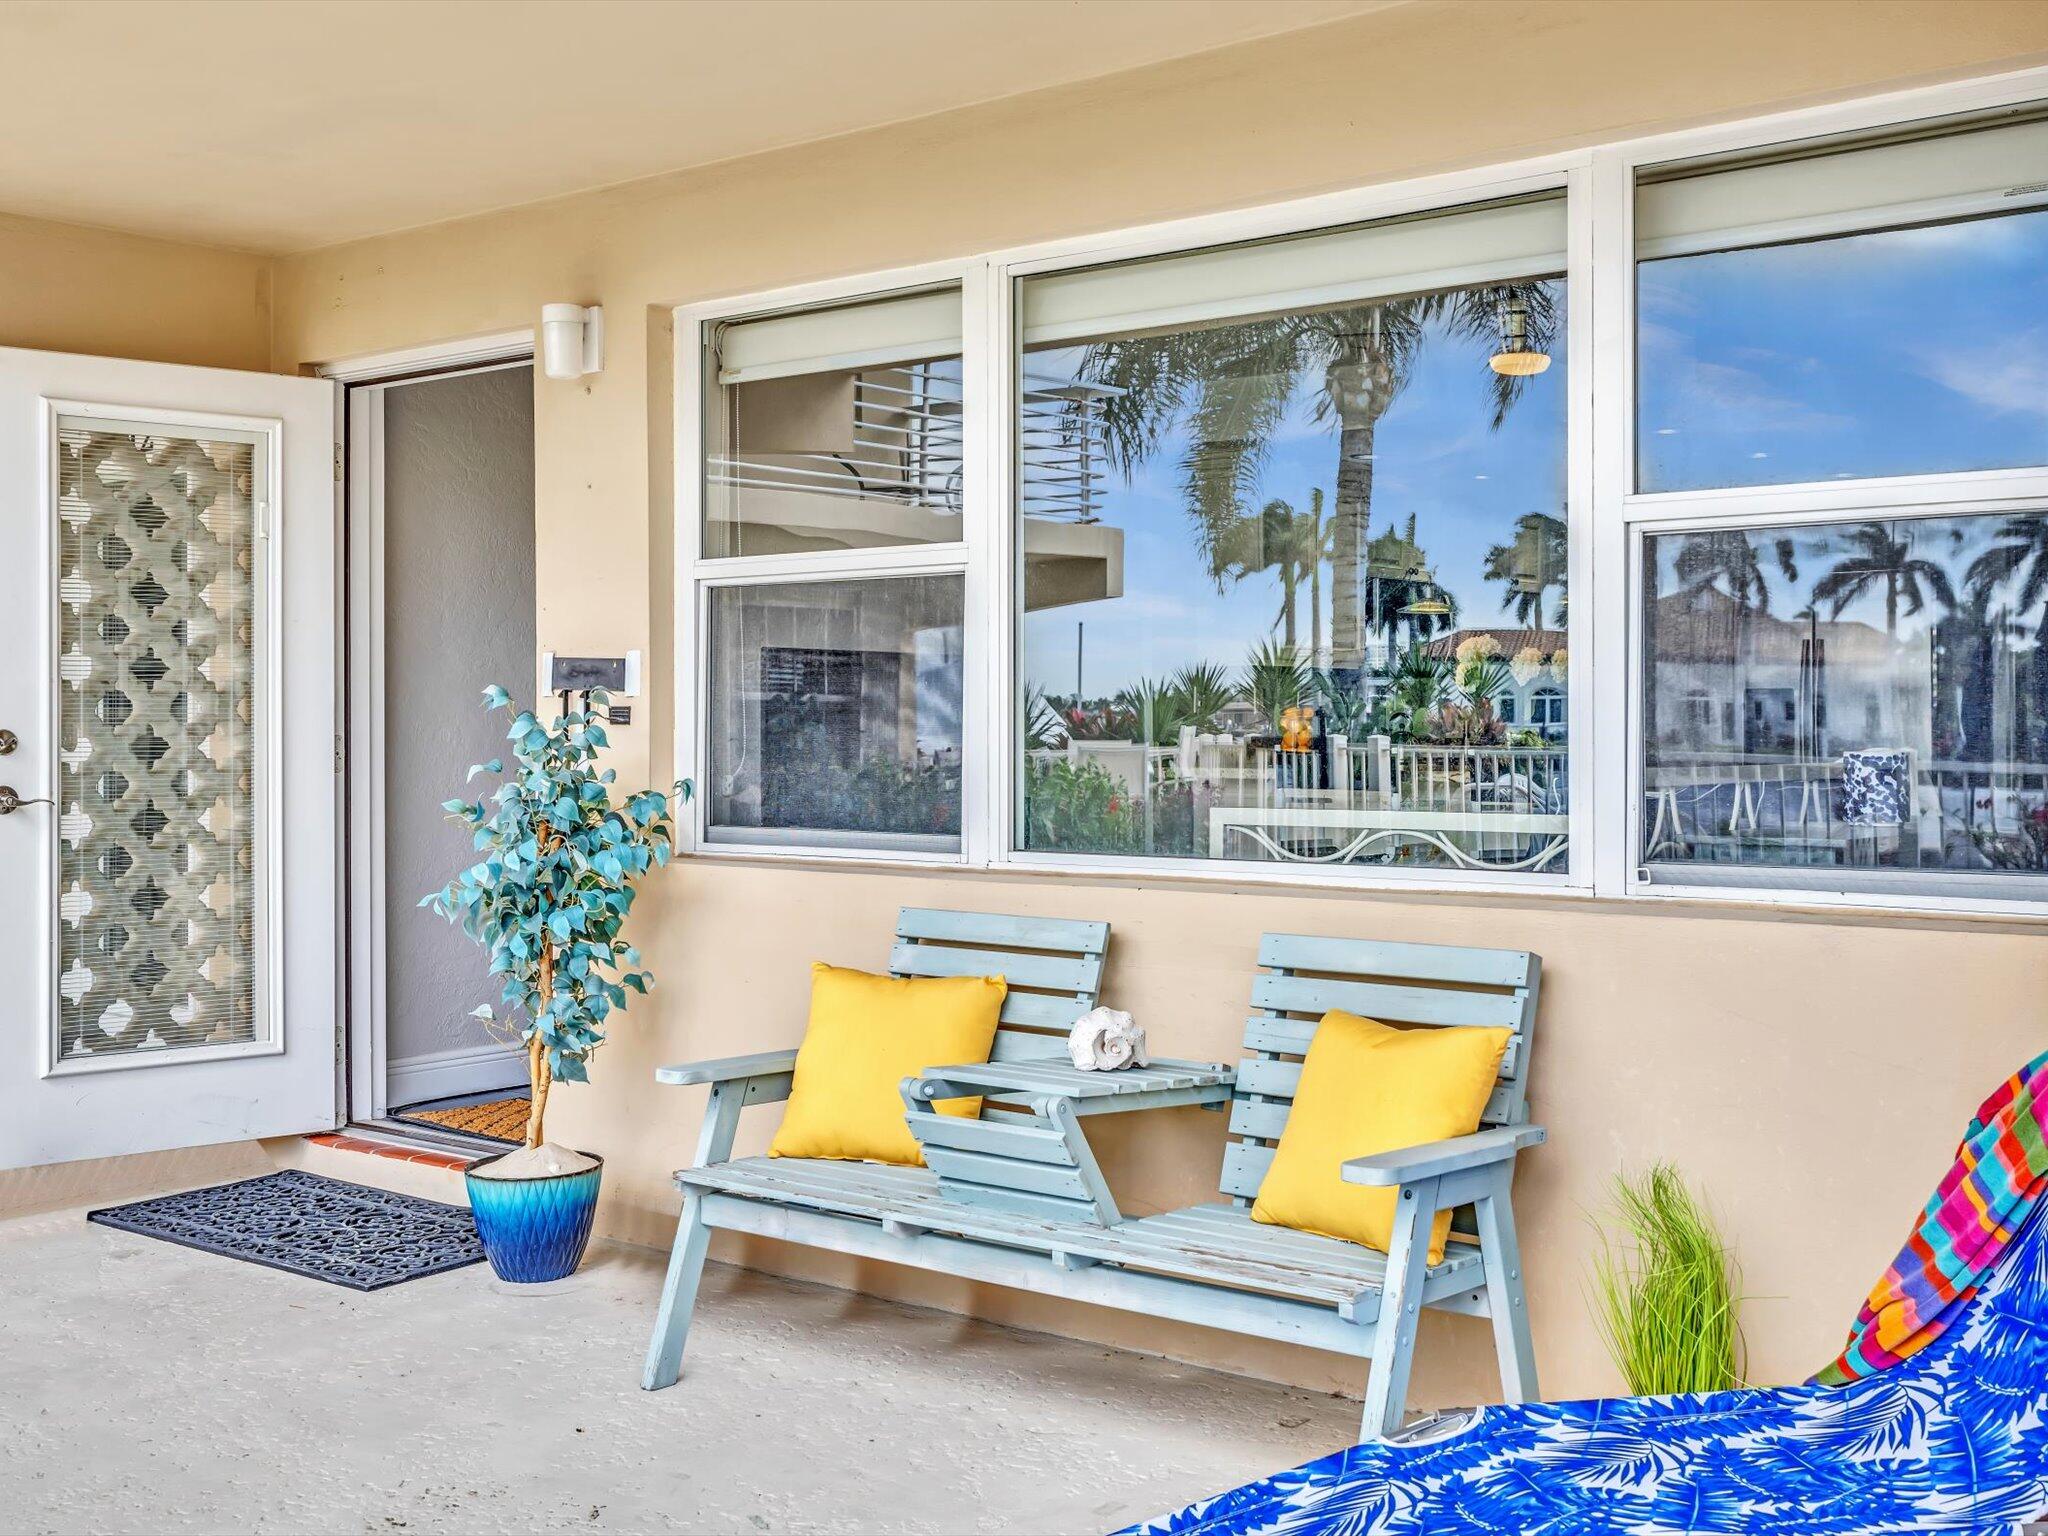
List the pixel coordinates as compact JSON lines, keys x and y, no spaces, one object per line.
{"x":1426,"y":985}
{"x":1053,"y":965}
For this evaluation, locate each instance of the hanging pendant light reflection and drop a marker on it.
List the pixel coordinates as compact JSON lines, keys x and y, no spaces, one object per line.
{"x":1517,"y":357}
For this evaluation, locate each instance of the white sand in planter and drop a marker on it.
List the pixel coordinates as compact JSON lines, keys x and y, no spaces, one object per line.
{"x":544,"y":1161}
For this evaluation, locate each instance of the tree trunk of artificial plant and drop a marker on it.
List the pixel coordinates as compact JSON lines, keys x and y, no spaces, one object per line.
{"x":538,"y":1074}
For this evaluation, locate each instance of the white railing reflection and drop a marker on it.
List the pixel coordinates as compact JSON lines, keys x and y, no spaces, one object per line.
{"x":1481,"y":778}
{"x":1498,"y":806}
{"x":1758,"y":808}
{"x":1475,"y":806}
{"x":1374,"y":772}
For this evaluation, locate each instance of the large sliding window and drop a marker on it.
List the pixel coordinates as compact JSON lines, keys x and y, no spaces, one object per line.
{"x":1662,"y":519}
{"x":1855,"y":699}
{"x":1293,"y":533}
{"x":831,"y":711}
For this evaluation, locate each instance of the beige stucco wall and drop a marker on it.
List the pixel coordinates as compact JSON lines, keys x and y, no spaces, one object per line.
{"x":66,"y":288}
{"x":1811,"y":1073}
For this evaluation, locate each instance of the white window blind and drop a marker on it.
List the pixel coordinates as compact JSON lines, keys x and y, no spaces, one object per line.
{"x":1686,"y":209}
{"x":1494,"y":243}
{"x":877,"y":333}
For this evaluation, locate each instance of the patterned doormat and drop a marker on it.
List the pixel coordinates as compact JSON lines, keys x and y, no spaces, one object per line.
{"x":498,"y":1120}
{"x":346,"y":1234}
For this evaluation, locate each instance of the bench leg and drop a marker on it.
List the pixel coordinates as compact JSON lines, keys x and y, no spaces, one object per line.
{"x":1393,"y":1336}
{"x":1505,"y":1299}
{"x":693,"y":1238}
{"x":678,"y":1297}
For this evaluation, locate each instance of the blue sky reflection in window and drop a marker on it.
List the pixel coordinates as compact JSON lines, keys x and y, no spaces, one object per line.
{"x":1846,"y":311}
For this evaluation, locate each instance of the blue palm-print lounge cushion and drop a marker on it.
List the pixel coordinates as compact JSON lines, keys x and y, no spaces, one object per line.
{"x":1954,"y":1439}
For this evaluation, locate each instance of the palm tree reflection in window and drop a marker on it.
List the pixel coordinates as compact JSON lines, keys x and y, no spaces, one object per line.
{"x":1922,"y":635}
{"x":1529,"y":565}
{"x":1728,"y":561}
{"x":1881,"y":559}
{"x":1292,"y":545}
{"x":1234,"y":385}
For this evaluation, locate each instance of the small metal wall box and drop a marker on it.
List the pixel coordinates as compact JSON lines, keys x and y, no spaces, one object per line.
{"x":616,"y":675}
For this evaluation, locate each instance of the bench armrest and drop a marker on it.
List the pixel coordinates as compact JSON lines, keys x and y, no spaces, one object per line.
{"x":1437,"y":1158}
{"x":729,"y":1069}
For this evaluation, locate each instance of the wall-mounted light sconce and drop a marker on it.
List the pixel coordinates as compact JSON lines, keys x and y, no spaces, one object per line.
{"x":571,"y":340}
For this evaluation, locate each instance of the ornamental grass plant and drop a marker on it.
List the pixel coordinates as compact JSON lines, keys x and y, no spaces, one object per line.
{"x":1665,"y":1289}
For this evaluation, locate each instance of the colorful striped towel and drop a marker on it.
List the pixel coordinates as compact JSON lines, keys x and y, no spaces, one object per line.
{"x":2000,"y":1173}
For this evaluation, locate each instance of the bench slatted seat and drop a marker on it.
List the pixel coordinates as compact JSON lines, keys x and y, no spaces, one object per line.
{"x":1216,"y":1244}
{"x":1421,"y":986}
{"x":1208,"y":1264}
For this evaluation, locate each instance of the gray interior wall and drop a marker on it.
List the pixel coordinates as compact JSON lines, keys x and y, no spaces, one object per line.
{"x":458,"y":613}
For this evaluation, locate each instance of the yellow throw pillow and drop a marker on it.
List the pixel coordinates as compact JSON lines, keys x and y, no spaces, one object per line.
{"x":868,"y":1033}
{"x":1367,"y":1087}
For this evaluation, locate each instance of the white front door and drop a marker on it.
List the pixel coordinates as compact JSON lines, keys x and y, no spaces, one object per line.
{"x":168,"y":693}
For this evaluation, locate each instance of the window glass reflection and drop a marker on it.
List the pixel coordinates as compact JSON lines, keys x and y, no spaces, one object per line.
{"x":1295,"y":573}
{"x":1866,"y":695}
{"x":834,"y":713}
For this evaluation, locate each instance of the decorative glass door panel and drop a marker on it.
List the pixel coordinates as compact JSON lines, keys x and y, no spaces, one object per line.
{"x":159,"y":719}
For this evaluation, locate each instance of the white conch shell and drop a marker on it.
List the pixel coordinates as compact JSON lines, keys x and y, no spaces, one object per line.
{"x":1105,"y":1040}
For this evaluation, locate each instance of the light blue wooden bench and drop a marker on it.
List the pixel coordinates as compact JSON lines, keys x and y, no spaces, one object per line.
{"x":1054,"y":967}
{"x":1209,"y":1264}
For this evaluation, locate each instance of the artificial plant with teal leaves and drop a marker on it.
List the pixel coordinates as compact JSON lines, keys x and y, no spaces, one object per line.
{"x":553,"y":882}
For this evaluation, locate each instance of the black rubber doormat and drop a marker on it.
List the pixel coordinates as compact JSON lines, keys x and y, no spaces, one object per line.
{"x":346,"y":1234}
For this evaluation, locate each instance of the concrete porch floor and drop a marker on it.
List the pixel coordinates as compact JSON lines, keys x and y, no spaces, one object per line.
{"x":146,"y":1387}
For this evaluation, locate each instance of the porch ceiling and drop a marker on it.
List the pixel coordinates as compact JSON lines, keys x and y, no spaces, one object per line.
{"x":283,"y":127}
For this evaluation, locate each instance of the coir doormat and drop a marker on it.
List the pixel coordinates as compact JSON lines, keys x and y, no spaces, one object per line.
{"x":498,"y":1120}
{"x":346,"y":1234}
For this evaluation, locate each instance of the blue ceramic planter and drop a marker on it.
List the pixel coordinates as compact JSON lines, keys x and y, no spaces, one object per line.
{"x":534,"y":1229}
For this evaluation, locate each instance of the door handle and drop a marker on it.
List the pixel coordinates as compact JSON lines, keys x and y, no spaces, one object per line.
{"x":10,"y":802}
{"x":8,"y":742}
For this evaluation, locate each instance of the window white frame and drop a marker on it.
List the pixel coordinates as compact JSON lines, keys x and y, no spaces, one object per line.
{"x":1625,"y":516}
{"x":1913,"y":889}
{"x":1444,"y":194}
{"x":696,"y":573}
{"x":813,"y":843}
{"x":1607,"y":518}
